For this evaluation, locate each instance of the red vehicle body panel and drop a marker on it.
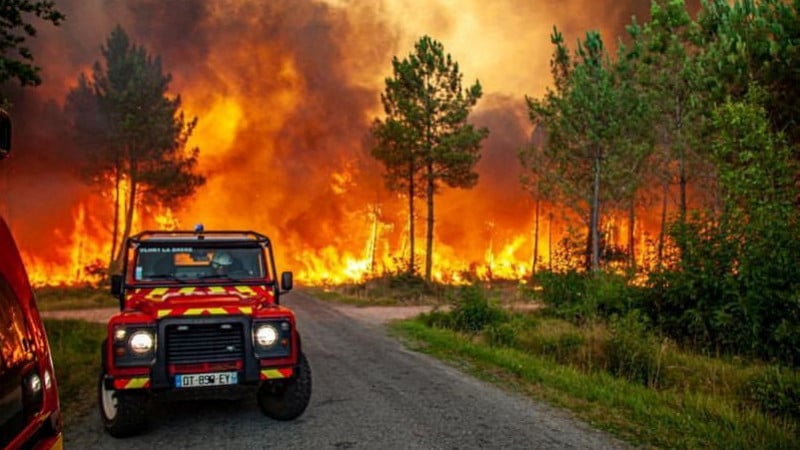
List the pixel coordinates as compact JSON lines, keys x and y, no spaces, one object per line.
{"x":42,"y":428}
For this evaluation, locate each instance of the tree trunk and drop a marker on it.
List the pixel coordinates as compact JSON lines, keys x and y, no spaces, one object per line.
{"x":411,"y":193}
{"x":682,"y":178}
{"x":663,"y":231}
{"x":594,"y":222}
{"x":429,"y":234}
{"x":373,"y":241}
{"x":535,"y":260}
{"x":129,"y":212}
{"x":632,"y":236}
{"x":550,"y":241}
{"x":681,"y":158}
{"x":115,"y":227}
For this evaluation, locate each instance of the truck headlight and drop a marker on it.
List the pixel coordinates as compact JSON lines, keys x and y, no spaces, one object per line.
{"x":266,"y":335}
{"x":133,"y":345}
{"x":141,"y":342}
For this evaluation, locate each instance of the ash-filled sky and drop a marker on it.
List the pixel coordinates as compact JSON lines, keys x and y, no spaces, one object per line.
{"x":285,"y":91}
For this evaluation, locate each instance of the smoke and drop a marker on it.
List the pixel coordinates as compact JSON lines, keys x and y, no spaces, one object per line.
{"x":285,"y":91}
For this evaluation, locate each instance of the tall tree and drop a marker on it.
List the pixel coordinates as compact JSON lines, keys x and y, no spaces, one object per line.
{"x":588,"y":118}
{"x":132,"y":134}
{"x":425,"y":136}
{"x":16,"y":59}
{"x":670,"y":41}
{"x":535,"y":162}
{"x":754,"y":42}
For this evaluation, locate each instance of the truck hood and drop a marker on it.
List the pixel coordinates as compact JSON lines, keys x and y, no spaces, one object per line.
{"x":159,"y":298}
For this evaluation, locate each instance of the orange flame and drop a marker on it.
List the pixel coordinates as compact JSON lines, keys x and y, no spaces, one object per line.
{"x":285,"y":92}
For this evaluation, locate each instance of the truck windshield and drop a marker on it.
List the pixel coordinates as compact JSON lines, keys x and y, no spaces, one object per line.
{"x":182,"y":263}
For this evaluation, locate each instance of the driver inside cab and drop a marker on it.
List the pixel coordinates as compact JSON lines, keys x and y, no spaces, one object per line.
{"x":221,"y":263}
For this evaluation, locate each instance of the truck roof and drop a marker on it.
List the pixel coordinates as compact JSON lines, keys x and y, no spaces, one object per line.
{"x":206,"y":236}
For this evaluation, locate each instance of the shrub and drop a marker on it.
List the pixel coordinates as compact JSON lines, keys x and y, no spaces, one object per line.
{"x":553,"y":338}
{"x":438,"y":319}
{"x":505,"y":334}
{"x":633,"y":352}
{"x":611,"y":294}
{"x":775,"y":391}
{"x":473,"y":312}
{"x":564,"y":294}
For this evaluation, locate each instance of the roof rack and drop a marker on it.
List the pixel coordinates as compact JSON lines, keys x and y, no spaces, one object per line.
{"x":212,"y":235}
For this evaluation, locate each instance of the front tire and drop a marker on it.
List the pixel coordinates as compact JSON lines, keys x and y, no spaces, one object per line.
{"x":124,"y":413}
{"x":287,"y":399}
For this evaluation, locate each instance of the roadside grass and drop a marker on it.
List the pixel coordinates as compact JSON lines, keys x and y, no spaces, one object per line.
{"x":55,"y":298}
{"x":75,"y":346}
{"x":643,"y":389}
{"x":700,"y":411}
{"x":387,"y":290}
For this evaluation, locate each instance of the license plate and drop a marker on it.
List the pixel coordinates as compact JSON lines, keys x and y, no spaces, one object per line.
{"x":206,"y":379}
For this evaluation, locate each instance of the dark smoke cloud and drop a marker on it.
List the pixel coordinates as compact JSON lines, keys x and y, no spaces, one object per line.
{"x":301,"y":170}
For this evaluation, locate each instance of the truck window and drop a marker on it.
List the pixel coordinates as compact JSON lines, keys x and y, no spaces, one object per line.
{"x":15,"y":337}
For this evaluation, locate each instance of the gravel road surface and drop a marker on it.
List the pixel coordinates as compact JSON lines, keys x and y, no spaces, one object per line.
{"x":369,"y":393}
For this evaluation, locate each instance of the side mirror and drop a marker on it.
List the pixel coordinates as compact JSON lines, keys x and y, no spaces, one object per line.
{"x":5,"y":134}
{"x":116,"y":285}
{"x":287,"y":281}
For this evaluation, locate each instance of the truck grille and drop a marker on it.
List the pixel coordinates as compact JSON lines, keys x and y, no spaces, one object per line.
{"x":200,"y":343}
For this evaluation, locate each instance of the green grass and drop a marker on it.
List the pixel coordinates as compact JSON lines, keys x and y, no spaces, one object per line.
{"x":75,"y":346}
{"x":62,"y":298}
{"x":672,"y":418}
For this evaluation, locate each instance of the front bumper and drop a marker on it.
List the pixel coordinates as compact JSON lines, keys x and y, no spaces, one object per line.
{"x":196,"y":345}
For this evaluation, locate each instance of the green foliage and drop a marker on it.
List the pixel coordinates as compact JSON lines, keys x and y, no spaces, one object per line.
{"x":553,"y":338}
{"x":473,"y":311}
{"x":736,"y":287}
{"x":505,"y":333}
{"x":130,"y":131}
{"x":776,"y":391}
{"x":612,"y":294}
{"x":697,"y":416}
{"x":580,"y":296}
{"x":748,"y":43}
{"x":438,"y":318}
{"x":16,"y":59}
{"x":564,"y":294}
{"x":425,"y":140}
{"x":592,"y":132}
{"x":633,"y":352}
{"x":696,"y":303}
{"x":75,"y":346}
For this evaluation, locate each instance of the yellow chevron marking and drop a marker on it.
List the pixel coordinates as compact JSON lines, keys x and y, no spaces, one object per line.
{"x":272,"y":373}
{"x":245,"y":309}
{"x":157,"y":292}
{"x":200,"y":311}
{"x":216,"y":290}
{"x":164,"y":312}
{"x":245,"y":290}
{"x":186,"y":290}
{"x":136,"y":383}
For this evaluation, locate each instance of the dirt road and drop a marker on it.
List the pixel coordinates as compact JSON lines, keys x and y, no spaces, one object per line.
{"x":369,"y":393}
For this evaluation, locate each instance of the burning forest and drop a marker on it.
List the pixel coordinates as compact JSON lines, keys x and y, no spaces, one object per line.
{"x":284,"y":93}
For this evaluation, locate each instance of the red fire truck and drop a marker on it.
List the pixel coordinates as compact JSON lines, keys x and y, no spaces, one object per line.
{"x":200,"y":316}
{"x":30,"y":414}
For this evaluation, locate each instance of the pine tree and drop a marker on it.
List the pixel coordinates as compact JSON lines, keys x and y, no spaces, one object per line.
{"x":132,"y":133}
{"x":425,"y":140}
